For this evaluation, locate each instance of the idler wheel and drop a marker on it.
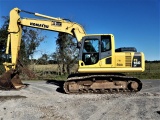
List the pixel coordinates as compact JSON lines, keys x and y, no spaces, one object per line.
{"x":133,"y":86}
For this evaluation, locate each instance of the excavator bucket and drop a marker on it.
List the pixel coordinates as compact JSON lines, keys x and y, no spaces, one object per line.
{"x":10,"y":80}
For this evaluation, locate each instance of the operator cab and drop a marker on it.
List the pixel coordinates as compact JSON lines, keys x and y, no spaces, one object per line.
{"x":95,"y":48}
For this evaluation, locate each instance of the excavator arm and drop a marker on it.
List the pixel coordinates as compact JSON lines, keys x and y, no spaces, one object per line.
{"x":15,"y":33}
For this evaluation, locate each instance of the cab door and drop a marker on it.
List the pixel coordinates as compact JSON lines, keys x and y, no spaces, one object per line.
{"x":90,"y":51}
{"x":106,"y":51}
{"x":96,"y":51}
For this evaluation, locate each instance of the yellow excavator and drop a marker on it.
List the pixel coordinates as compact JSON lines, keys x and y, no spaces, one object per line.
{"x":101,"y":66}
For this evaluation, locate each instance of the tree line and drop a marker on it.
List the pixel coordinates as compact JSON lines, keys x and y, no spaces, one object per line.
{"x":65,"y":55}
{"x":153,"y":61}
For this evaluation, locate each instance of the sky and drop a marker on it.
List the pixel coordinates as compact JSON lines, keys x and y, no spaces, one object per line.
{"x":134,"y":23}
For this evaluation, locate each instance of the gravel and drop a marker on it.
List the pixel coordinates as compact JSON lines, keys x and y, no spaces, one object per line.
{"x":42,"y":101}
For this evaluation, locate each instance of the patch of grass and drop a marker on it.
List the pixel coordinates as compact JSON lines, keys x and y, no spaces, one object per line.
{"x":61,"y":77}
{"x":152,"y":71}
{"x":145,"y":75}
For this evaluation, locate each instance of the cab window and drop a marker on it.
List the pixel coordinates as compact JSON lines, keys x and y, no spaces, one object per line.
{"x":90,"y":51}
{"x":105,"y":44}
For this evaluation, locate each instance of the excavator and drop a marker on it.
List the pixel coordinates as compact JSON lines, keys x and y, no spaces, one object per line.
{"x":101,"y":67}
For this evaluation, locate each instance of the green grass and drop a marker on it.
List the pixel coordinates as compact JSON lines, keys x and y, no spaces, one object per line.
{"x":152,"y":71}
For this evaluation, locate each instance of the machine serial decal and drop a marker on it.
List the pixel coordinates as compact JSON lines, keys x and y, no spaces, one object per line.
{"x":39,"y":25}
{"x":136,"y":62}
{"x":55,"y":23}
{"x":119,"y":64}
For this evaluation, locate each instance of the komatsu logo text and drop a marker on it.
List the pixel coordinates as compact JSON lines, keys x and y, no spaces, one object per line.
{"x":39,"y":25}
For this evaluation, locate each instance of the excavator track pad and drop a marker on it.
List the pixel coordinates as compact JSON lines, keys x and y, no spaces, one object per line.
{"x":102,"y":84}
{"x":10,"y":80}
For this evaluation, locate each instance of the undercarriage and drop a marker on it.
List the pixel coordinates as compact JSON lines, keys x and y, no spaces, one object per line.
{"x":109,"y":83}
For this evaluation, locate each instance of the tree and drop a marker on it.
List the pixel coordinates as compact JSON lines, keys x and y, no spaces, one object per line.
{"x":43,"y":59}
{"x":3,"y":38}
{"x":31,"y":39}
{"x":66,"y":51}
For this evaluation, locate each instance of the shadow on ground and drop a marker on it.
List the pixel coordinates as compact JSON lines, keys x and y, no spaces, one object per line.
{"x":59,"y":83}
{"x":26,"y":84}
{"x":158,"y":112}
{"x":4,"y":98}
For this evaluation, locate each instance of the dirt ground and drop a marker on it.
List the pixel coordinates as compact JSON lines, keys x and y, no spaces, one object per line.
{"x":45,"y":101}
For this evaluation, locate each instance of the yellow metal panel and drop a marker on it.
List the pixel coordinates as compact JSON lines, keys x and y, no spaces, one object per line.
{"x":15,"y":45}
{"x":120,"y":59}
{"x":108,"y":70}
{"x":103,"y":64}
{"x":14,"y":17}
{"x":64,"y":26}
{"x":97,"y":65}
{"x":143,"y":61}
